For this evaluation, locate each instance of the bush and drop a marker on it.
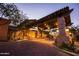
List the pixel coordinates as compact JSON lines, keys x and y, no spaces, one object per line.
{"x":70,"y":47}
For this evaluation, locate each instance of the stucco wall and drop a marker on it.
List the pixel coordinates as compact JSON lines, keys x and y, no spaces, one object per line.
{"x":3,"y":32}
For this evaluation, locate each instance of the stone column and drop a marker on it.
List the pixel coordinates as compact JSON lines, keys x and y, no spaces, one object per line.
{"x":62,"y":38}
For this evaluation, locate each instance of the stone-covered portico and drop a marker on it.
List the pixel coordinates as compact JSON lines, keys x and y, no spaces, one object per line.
{"x":59,"y":19}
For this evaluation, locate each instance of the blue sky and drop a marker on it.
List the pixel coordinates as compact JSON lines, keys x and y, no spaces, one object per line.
{"x":39,"y":10}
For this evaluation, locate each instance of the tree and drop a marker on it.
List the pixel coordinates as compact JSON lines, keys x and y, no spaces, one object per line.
{"x":22,"y":16}
{"x":75,"y":31}
{"x":10,"y":11}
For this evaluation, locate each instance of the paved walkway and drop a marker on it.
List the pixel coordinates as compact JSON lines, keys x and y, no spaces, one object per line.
{"x":29,"y":48}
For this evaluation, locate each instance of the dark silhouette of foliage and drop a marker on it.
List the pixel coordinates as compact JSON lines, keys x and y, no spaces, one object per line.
{"x":10,"y":11}
{"x":75,"y":31}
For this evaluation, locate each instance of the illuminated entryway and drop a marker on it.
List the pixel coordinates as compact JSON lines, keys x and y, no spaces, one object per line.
{"x":59,"y":21}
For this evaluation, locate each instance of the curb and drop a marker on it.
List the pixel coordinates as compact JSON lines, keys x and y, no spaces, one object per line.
{"x":67,"y":52}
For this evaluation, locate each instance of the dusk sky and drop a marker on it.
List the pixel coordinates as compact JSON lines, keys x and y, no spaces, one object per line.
{"x":39,"y":10}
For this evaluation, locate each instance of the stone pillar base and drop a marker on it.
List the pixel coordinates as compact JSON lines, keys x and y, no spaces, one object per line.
{"x":62,"y":40}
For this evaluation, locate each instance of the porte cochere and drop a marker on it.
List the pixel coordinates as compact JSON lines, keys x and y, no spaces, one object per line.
{"x":54,"y":26}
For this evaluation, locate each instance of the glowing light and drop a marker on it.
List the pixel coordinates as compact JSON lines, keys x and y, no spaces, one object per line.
{"x":28,"y":35}
{"x":31,"y":34}
{"x":57,"y":31}
{"x":66,"y":29}
{"x":47,"y":26}
{"x":70,"y":33}
{"x":35,"y":28}
{"x":56,"y":24}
